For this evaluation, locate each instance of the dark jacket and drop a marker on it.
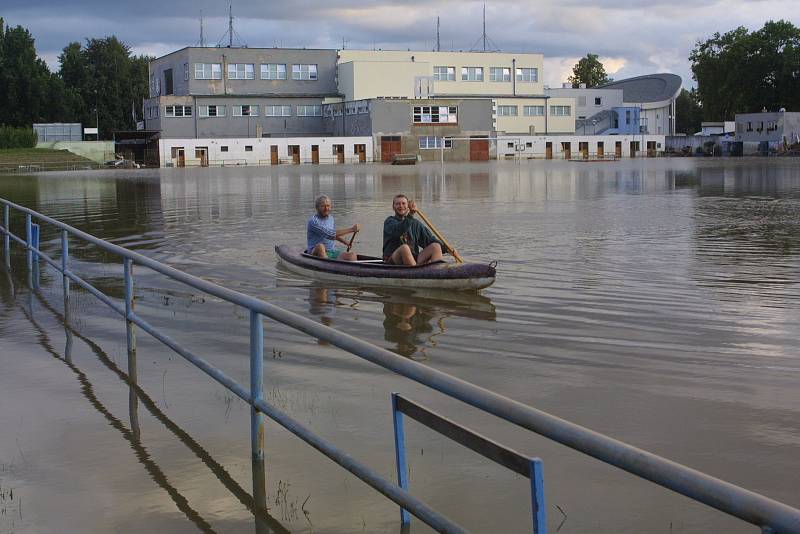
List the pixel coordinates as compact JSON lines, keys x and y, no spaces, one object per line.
{"x":406,"y":230}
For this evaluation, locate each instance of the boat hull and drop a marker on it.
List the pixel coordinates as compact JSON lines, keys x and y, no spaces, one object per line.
{"x":465,"y":276}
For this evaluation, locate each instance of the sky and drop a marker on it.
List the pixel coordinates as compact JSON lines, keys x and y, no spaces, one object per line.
{"x":631,"y":37}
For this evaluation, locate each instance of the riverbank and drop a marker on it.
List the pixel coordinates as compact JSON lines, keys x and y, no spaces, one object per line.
{"x":13,"y":160}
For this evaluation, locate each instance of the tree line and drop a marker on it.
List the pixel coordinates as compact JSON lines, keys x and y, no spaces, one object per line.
{"x":98,"y":83}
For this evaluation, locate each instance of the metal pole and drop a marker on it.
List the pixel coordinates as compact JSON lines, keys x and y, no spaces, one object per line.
{"x":537,"y":497}
{"x":64,"y":263}
{"x":131,"y":333}
{"x":400,"y":456}
{"x":6,"y":237}
{"x":28,"y":252}
{"x":256,"y":384}
{"x":35,"y":246}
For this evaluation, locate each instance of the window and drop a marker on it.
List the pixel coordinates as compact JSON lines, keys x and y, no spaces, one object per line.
{"x":186,"y":72}
{"x":533,"y":111}
{"x":435,"y":114}
{"x":277,"y":111}
{"x":248,"y":148}
{"x":507,"y":111}
{"x":241,"y":71}
{"x":627,"y":116}
{"x":208,"y":71}
{"x":152,"y":112}
{"x":246,"y":110}
{"x":273,"y":71}
{"x":304,"y":72}
{"x":350,"y":108}
{"x":472,"y":74}
{"x":499,"y":74}
{"x":560,"y":111}
{"x":223,"y":148}
{"x":444,"y":73}
{"x":598,"y":101}
{"x":309,"y":111}
{"x":528,"y":145}
{"x":527,"y":75}
{"x":211,"y":111}
{"x":363,"y":107}
{"x":178,"y":111}
{"x":430,"y":141}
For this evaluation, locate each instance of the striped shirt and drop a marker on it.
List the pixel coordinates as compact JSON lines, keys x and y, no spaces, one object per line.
{"x":320,"y":230}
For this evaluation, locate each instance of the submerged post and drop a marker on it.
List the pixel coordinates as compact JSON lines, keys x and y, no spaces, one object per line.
{"x":28,"y":242}
{"x":6,"y":236}
{"x":131,"y":334}
{"x":400,"y":456}
{"x":64,"y":264}
{"x":35,"y":253}
{"x":256,"y":384}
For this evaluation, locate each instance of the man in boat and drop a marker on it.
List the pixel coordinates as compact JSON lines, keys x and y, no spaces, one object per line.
{"x":404,"y":236}
{"x":321,"y":233}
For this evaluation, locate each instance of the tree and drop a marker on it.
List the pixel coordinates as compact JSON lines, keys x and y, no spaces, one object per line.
{"x":589,"y":70}
{"x":688,"y":112}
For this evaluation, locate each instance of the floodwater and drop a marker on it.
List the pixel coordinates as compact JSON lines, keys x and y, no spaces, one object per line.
{"x":655,"y":301}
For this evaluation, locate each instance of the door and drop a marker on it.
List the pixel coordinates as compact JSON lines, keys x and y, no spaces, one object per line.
{"x":201,"y":153}
{"x":600,"y":150}
{"x":583,"y":148}
{"x":294,"y":153}
{"x":618,"y":149}
{"x":390,"y":145}
{"x":338,"y":151}
{"x":566,"y":149}
{"x":273,"y":154}
{"x":315,"y":154}
{"x":361,"y":152}
{"x":651,"y":149}
{"x":634,"y":148}
{"x":179,"y":156}
{"x":479,"y":150}
{"x":548,"y":150}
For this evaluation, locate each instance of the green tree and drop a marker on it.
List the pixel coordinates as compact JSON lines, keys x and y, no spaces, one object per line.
{"x":688,"y":112}
{"x":589,"y":70}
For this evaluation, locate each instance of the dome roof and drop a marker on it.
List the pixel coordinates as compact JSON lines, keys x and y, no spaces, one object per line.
{"x":648,"y":88}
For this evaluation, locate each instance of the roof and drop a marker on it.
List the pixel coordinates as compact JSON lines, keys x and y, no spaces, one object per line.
{"x":648,"y":88}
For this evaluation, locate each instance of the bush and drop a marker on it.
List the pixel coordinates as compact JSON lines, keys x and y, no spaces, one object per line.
{"x":11,"y":137}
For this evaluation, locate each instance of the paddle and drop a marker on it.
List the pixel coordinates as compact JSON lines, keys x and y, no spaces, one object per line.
{"x":439,"y":235}
{"x":350,"y":244}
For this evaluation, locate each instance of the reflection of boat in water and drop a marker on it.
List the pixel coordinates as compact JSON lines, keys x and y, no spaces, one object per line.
{"x":371,"y":271}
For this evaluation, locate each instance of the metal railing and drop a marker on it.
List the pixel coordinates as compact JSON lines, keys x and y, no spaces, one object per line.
{"x":769,"y":515}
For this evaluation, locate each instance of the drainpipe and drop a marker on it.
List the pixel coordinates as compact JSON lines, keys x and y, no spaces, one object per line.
{"x":224,"y":75}
{"x":196,"y":112}
{"x":514,"y":76}
{"x":546,"y":112}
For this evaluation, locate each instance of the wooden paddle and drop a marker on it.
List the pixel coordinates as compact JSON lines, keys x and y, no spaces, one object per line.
{"x":439,"y":235}
{"x":350,"y":244}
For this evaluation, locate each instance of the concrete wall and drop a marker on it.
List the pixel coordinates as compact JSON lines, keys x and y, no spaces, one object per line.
{"x":585,"y":107}
{"x":360,"y":80}
{"x":97,"y":151}
{"x":535,"y":146}
{"x":237,"y":154}
{"x":520,"y":124}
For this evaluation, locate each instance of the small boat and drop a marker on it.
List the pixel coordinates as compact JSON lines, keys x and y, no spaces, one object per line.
{"x":372,"y":271}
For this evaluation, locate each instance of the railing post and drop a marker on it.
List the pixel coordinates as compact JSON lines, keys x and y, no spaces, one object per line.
{"x":256,"y":384}
{"x":6,"y":236}
{"x":400,"y":457}
{"x":131,"y":334}
{"x":35,"y":234}
{"x":28,"y":241}
{"x":538,"y":509}
{"x":64,"y":265}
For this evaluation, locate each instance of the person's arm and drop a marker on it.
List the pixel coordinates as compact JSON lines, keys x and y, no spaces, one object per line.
{"x":349,"y":230}
{"x":426,"y":237}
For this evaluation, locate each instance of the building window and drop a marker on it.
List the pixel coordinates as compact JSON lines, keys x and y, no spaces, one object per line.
{"x":533,"y":111}
{"x":208,"y":71}
{"x":627,"y":116}
{"x":507,"y":111}
{"x":309,"y":111}
{"x":472,"y":74}
{"x":499,"y":74}
{"x":177,"y":111}
{"x":527,"y":75}
{"x":363,"y":107}
{"x":598,"y":101}
{"x":223,"y":148}
{"x":278,"y":111}
{"x":152,"y":112}
{"x":211,"y":111}
{"x":435,"y":114}
{"x":241,"y":71}
{"x":430,"y":141}
{"x":186,"y":72}
{"x":248,"y":148}
{"x":560,"y":111}
{"x":304,"y":72}
{"x":444,"y":74}
{"x":246,"y":110}
{"x":273,"y":71}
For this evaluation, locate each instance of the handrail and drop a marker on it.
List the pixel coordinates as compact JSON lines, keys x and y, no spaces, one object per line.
{"x":724,"y":496}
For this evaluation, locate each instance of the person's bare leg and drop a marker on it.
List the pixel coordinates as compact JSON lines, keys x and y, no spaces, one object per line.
{"x":348,"y":256}
{"x":319,"y":251}
{"x":431,"y":253}
{"x":403,"y":256}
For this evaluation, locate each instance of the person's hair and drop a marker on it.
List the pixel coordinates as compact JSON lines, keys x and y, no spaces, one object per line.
{"x":399,"y":195}
{"x":320,"y":199}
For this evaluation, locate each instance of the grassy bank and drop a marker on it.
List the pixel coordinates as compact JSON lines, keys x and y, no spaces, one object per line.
{"x":13,"y":160}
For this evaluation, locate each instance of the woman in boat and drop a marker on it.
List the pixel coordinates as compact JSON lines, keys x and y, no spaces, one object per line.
{"x":404,"y":236}
{"x":321,"y":232}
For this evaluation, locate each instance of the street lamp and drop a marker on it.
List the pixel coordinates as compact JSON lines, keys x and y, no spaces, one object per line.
{"x":594,"y":123}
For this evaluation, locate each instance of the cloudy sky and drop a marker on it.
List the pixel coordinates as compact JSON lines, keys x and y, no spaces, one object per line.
{"x":631,"y":37}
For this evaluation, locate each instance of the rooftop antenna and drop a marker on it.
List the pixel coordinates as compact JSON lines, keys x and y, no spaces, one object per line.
{"x":487,"y":41}
{"x":202,"y":40}
{"x":344,"y":42}
{"x":231,"y":33}
{"x":438,"y":42}
{"x":230,"y":25}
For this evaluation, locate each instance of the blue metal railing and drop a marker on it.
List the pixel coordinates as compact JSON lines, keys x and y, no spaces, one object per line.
{"x":766,"y":513}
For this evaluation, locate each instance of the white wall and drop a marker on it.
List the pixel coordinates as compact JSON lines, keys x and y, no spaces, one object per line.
{"x":260,"y":155}
{"x":538,"y":145}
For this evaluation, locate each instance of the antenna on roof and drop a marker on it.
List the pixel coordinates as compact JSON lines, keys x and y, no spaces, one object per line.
{"x":487,"y":41}
{"x":438,"y":42}
{"x":231,"y":33}
{"x":202,"y":40}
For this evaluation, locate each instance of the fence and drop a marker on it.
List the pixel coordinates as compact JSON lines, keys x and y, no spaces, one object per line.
{"x":769,"y":515}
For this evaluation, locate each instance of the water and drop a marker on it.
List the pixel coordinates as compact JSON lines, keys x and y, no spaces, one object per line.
{"x":655,"y":301}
